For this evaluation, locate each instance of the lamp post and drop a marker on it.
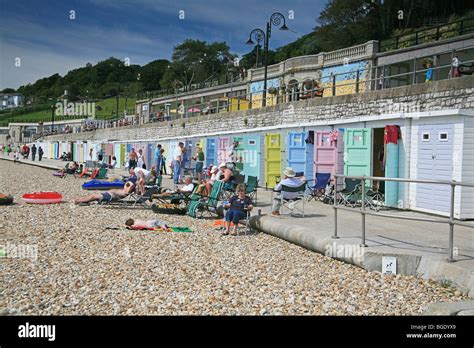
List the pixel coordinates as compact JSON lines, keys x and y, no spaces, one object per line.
{"x":275,"y":19}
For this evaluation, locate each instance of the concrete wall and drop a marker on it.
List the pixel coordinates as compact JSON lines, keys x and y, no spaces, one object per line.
{"x":441,"y":95}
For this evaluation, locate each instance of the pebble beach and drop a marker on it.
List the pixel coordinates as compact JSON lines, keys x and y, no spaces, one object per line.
{"x":82,"y":267}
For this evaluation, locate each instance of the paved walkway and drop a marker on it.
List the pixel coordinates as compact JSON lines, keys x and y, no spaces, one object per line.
{"x":423,"y":242}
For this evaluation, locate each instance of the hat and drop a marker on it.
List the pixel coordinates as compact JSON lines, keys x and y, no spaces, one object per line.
{"x":289,"y":172}
{"x":223,"y":164}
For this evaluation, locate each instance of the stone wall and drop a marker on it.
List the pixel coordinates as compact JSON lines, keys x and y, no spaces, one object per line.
{"x":446,"y":94}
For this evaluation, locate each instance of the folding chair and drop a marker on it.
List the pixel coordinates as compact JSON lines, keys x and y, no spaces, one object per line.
{"x":94,"y":173}
{"x":101,"y":174}
{"x":290,"y":204}
{"x":317,"y":191}
{"x":207,"y":204}
{"x":374,"y":198}
{"x":133,"y":200}
{"x":251,"y":188}
{"x":351,"y":193}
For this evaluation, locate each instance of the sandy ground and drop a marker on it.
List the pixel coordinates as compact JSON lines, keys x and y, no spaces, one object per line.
{"x":71,"y":264}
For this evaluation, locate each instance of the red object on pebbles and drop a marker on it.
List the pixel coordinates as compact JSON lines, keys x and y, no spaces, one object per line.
{"x":46,"y":197}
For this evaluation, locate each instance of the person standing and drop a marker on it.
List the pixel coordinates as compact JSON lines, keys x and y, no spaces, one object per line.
{"x":40,"y":153}
{"x":163,"y":162}
{"x":429,"y":72}
{"x":157,"y":158}
{"x":90,"y":154}
{"x":132,"y":159}
{"x":177,"y":159}
{"x":199,"y":158}
{"x":140,"y":160}
{"x":455,"y":66}
{"x":158,"y":165}
{"x":33,"y":152}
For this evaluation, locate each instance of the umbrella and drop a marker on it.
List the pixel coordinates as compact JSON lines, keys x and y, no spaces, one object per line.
{"x":194,"y":109}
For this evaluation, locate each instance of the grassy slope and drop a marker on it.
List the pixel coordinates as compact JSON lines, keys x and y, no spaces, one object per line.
{"x":107,"y":105}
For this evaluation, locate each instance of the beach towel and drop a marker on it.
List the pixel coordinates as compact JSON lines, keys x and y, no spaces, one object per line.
{"x":168,"y":229}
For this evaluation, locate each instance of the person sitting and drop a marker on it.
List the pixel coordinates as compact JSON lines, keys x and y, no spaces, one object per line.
{"x":205,"y":188}
{"x":108,"y":196}
{"x":70,"y":170}
{"x":187,"y":188}
{"x":227,"y":176}
{"x":143,"y":177}
{"x":289,"y":180}
{"x":238,"y":205}
{"x":147,"y":225}
{"x":114,"y":162}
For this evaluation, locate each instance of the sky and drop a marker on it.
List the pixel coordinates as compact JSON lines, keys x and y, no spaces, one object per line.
{"x":39,"y":38}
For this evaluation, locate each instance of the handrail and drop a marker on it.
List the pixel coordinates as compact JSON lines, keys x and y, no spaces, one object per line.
{"x":450,"y":221}
{"x":463,"y":29}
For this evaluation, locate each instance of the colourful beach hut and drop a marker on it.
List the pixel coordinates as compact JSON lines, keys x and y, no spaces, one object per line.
{"x":251,"y":155}
{"x":272,"y":159}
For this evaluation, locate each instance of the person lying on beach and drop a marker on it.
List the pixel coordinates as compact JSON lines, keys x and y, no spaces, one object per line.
{"x":187,"y":188}
{"x":108,"y":196}
{"x":146,"y":224}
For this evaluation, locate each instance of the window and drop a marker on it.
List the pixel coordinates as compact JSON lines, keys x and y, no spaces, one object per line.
{"x":252,"y":142}
{"x":443,"y":136}
{"x":425,"y":137}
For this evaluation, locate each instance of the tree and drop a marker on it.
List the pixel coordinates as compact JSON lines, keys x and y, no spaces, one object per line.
{"x":152,"y":73}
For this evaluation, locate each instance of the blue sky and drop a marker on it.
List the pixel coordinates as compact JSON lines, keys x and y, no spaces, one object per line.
{"x":46,"y":40}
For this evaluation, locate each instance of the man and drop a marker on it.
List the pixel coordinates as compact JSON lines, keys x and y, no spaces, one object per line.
{"x":177,"y":159}
{"x":132,"y":159}
{"x":33,"y":152}
{"x":143,"y":176}
{"x":108,"y":196}
{"x":40,"y":153}
{"x":289,"y":180}
{"x":187,"y":188}
{"x":158,"y":164}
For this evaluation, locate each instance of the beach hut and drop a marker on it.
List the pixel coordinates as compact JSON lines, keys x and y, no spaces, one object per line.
{"x":223,"y":148}
{"x":211,"y":152}
{"x":272,"y":159}
{"x":325,"y":151}
{"x":296,"y":151}
{"x":251,"y":154}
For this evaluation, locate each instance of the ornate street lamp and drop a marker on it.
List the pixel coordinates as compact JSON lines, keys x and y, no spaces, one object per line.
{"x":275,"y":19}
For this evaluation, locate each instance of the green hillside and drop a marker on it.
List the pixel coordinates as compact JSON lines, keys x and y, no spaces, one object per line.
{"x":105,"y":109}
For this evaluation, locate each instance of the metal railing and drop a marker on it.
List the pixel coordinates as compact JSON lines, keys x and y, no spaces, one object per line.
{"x":444,"y":31}
{"x":450,"y":221}
{"x":277,"y":96}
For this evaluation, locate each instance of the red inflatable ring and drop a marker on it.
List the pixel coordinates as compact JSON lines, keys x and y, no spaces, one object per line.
{"x":43,"y":197}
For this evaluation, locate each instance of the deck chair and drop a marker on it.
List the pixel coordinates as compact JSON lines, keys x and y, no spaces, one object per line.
{"x":291,"y":204}
{"x":180,"y":196}
{"x":251,"y":188}
{"x":229,"y":191}
{"x":350,"y":195}
{"x":317,"y":191}
{"x":206,"y":204}
{"x":374,"y":198}
{"x":84,"y":172}
{"x":133,"y":200}
{"x":94,"y":173}
{"x":101,"y":174}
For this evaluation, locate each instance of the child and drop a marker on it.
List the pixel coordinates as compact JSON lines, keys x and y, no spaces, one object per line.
{"x":238,"y":206}
{"x":148,"y":224}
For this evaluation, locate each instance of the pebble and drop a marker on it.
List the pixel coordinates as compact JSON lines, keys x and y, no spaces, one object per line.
{"x":82,"y":268}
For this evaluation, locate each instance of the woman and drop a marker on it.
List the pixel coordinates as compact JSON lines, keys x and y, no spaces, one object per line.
{"x":140,"y":161}
{"x":199,"y":158}
{"x":239,"y":205}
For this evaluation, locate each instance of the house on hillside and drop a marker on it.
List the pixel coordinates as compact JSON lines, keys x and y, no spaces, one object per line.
{"x":11,"y":100}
